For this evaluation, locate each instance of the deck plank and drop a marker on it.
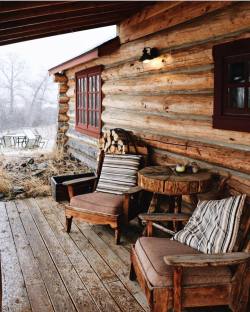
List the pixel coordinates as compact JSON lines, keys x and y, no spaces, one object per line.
{"x":89,"y":277}
{"x":112,"y":259}
{"x":15,"y":296}
{"x":108,"y":237}
{"x":122,"y":270}
{"x":75,"y":287}
{"x":122,"y":289}
{"x":59,"y":296}
{"x":36,"y":289}
{"x":83,"y":245}
{"x":62,"y":272}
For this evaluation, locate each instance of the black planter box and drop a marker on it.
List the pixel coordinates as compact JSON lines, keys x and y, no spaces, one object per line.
{"x":60,"y":192}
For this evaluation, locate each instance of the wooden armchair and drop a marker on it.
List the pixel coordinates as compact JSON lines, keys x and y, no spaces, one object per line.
{"x":174,"y":275}
{"x":98,"y":207}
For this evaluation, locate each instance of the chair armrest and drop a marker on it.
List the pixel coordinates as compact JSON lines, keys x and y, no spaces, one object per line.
{"x":80,"y":180}
{"x":133,"y":190}
{"x":154,"y":217}
{"x":204,"y":260}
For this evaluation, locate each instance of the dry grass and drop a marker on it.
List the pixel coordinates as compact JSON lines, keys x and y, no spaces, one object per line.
{"x":5,"y":182}
{"x":34,"y":178}
{"x":34,"y":186}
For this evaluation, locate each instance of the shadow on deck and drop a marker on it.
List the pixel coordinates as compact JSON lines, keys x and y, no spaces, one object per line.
{"x":45,"y":269}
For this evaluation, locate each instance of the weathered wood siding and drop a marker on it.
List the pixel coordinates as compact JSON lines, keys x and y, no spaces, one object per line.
{"x":169,"y":102}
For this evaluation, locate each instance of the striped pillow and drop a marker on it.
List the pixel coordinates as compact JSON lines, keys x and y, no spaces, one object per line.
{"x":214,"y":225}
{"x":119,"y":173}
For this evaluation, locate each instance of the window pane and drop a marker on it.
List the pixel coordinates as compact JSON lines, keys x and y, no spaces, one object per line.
{"x":83,"y":85}
{"x":97,"y":101}
{"x":84,"y":101}
{"x":97,"y":83}
{"x":96,"y":119}
{"x":236,"y":97}
{"x":79,"y":85}
{"x":236,"y":72}
{"x":91,"y":118}
{"x":93,"y":101}
{"x":84,"y":117}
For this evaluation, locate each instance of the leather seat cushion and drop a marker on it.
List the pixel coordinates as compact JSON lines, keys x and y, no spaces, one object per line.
{"x":98,"y":203}
{"x":150,"y":252}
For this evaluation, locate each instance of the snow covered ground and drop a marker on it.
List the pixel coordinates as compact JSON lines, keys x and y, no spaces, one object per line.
{"x":48,"y":134}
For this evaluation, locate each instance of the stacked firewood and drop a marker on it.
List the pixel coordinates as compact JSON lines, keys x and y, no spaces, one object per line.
{"x":120,"y":141}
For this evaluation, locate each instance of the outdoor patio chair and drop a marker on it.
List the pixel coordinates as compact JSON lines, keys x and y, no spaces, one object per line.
{"x":8,"y":141}
{"x":39,"y":143}
{"x":20,"y":141}
{"x":30,"y":143}
{"x":114,"y":198}
{"x":174,"y":274}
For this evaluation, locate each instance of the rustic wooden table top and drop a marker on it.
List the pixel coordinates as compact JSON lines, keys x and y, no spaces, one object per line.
{"x":164,"y":180}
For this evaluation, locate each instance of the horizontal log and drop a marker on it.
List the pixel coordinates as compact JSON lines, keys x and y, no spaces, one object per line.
{"x":164,"y":83}
{"x":149,"y":12}
{"x":187,"y":128}
{"x":224,"y":26}
{"x":89,"y":150}
{"x":60,"y":78}
{"x":235,"y":159}
{"x":130,"y":29}
{"x":188,"y":59}
{"x":174,"y":103}
{"x":89,"y":161}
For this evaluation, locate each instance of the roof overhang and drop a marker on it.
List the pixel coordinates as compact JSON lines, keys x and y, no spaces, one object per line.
{"x":26,"y":20}
{"x":103,"y":49}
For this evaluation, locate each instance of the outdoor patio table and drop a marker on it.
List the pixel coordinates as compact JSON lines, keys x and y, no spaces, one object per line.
{"x":166,"y":181}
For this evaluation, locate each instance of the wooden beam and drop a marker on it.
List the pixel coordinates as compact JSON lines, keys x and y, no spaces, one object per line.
{"x":121,"y":12}
{"x":12,"y":6}
{"x":65,"y":7}
{"x":62,"y":24}
{"x":51,"y":32}
{"x":220,"y":155}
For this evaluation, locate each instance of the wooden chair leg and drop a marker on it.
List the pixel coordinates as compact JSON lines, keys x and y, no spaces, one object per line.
{"x":132,"y":275}
{"x":177,"y":289}
{"x":160,"y":301}
{"x":117,"y":236}
{"x":68,"y":224}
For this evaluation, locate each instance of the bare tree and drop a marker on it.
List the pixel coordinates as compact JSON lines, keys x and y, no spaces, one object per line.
{"x":25,"y":99}
{"x":12,"y":71}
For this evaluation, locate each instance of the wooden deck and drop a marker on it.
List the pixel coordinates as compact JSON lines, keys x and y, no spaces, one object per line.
{"x":45,"y":269}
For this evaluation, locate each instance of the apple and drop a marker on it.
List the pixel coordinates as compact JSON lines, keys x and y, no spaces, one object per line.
{"x":180,"y":168}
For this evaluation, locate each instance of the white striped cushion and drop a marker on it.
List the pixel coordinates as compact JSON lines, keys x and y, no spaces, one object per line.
{"x":213,"y":226}
{"x":119,"y":173}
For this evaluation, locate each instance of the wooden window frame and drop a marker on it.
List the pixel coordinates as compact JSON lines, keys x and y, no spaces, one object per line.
{"x":229,"y":119}
{"x":87,"y":128}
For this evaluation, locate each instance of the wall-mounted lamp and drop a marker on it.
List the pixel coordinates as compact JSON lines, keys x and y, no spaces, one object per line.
{"x":148,"y":54}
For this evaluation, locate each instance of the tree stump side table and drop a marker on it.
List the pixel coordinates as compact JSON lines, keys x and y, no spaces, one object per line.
{"x":164,"y":180}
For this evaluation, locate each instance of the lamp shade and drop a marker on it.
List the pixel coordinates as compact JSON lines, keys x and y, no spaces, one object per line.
{"x":148,"y":54}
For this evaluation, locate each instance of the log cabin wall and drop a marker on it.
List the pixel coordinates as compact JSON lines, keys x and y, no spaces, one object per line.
{"x":169,"y":102}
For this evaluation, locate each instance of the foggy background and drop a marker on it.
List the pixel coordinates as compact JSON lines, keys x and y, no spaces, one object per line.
{"x":28,"y":96}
